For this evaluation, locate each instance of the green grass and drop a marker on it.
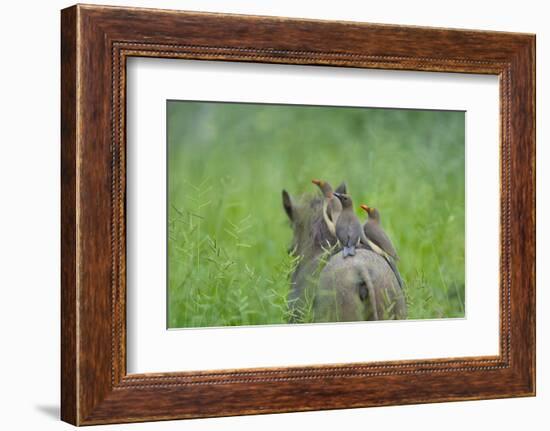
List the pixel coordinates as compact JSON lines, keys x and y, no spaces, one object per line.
{"x":228,"y":233}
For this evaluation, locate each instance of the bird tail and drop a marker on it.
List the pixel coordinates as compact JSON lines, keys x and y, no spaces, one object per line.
{"x":349,"y":251}
{"x":393,"y":267}
{"x":391,"y":262}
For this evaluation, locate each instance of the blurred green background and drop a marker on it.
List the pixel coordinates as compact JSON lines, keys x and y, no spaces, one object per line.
{"x":229,"y":235}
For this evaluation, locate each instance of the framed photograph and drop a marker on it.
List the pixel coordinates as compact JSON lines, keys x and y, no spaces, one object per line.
{"x":266,"y":215}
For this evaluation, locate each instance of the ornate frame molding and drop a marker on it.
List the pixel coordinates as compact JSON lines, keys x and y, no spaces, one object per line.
{"x":96,"y":41}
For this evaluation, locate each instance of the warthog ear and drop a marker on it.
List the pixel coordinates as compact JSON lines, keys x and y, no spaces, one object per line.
{"x":287,"y":204}
{"x":342,"y":188}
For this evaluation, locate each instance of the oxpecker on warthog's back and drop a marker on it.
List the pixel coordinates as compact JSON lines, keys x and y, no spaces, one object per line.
{"x":325,"y":287}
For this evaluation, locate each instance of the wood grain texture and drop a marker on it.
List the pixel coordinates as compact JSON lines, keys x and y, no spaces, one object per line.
{"x":96,"y":41}
{"x":69,"y":397}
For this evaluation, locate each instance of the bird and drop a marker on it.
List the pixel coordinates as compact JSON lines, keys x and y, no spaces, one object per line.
{"x":348,"y":227}
{"x":379,"y":241}
{"x":331,"y":205}
{"x":350,"y":233}
{"x":374,"y":231}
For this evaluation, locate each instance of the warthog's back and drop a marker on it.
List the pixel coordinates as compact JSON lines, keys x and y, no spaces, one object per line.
{"x":362,"y":287}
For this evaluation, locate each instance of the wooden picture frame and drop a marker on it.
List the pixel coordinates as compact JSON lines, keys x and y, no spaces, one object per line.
{"x":95,"y":43}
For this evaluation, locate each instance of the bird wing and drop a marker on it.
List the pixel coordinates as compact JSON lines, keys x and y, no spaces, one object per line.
{"x":378,"y":236}
{"x":354,"y":231}
{"x":330,"y":224}
{"x":343,"y":233}
{"x":335,"y":208}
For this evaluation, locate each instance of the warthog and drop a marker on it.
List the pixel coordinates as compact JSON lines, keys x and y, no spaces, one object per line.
{"x":328,"y":288}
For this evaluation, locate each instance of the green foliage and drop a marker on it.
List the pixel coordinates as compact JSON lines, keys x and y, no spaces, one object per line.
{"x":229,"y":236}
